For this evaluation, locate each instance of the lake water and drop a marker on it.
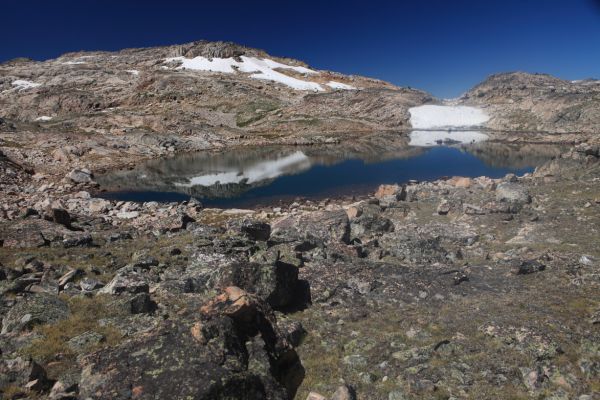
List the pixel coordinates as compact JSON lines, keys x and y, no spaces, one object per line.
{"x":245,"y":177}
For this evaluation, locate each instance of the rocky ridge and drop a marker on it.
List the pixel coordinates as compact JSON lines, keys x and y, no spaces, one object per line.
{"x":525,"y":102}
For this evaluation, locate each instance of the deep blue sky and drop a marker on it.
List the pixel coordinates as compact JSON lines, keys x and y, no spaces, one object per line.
{"x":440,"y":46}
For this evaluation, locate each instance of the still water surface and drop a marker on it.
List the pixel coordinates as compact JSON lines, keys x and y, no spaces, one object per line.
{"x":246,"y":177}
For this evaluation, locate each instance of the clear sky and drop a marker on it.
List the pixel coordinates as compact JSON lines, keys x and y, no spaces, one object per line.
{"x":440,"y":46}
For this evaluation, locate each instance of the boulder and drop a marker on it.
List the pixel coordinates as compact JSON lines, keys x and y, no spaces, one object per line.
{"x":344,"y":392}
{"x":276,"y":283}
{"x":139,"y":303}
{"x":525,"y":267}
{"x":41,"y":308}
{"x":391,"y":191}
{"x":444,"y":207}
{"x":322,"y":226}
{"x":126,"y":281}
{"x":370,"y":222}
{"x":460,"y":182}
{"x":38,"y":233}
{"x":98,"y":205}
{"x":203,"y":359}
{"x":513,"y":193}
{"x":256,"y":230}
{"x":60,"y":216}
{"x":80,"y":175}
{"x":25,"y":374}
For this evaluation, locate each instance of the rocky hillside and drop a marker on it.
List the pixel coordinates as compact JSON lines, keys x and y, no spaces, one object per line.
{"x":204,"y":91}
{"x":538,"y":102}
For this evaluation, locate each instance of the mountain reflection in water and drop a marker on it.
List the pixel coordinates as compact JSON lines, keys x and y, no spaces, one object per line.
{"x":260,"y":175}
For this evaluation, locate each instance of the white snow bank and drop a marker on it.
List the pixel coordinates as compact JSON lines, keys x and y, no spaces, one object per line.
{"x":133,"y":72}
{"x":339,"y":85}
{"x":44,"y":118}
{"x":23,"y":84}
{"x":436,"y":138}
{"x":258,"y":68}
{"x":74,"y":62}
{"x":255,"y":173}
{"x":432,"y":117}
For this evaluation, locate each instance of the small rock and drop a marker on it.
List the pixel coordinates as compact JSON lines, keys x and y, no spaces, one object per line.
{"x":80,"y":175}
{"x":88,"y":284}
{"x":128,"y":214}
{"x":386,"y":191}
{"x":345,"y":392}
{"x":526,"y":267}
{"x":513,"y":193}
{"x":460,"y":182}
{"x":586,"y":260}
{"x":444,"y":207}
{"x":87,"y":339}
{"x":256,"y":230}
{"x":61,"y":216}
{"x":315,"y":396}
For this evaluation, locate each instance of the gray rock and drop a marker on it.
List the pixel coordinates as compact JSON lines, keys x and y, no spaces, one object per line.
{"x":513,"y":193}
{"x":37,"y":309}
{"x":89,"y":284}
{"x":80,"y":175}
{"x":140,"y":303}
{"x":126,"y":281}
{"x":84,"y":341}
{"x":344,"y":392}
{"x":276,"y":283}
{"x":25,"y":374}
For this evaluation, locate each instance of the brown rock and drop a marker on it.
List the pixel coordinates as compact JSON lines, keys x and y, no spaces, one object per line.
{"x":353,"y":212}
{"x":460,"y":182}
{"x":344,"y":392}
{"x":315,"y":396}
{"x":233,"y":302}
{"x":387,"y":190}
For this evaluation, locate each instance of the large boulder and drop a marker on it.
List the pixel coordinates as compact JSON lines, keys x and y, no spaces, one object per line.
{"x":370,"y":222}
{"x":42,"y":308}
{"x":276,"y":283}
{"x":320,"y":226}
{"x":205,"y":359}
{"x":83,"y":175}
{"x":513,"y":193}
{"x":26,"y":375}
{"x":35,"y":232}
{"x":127,"y":280}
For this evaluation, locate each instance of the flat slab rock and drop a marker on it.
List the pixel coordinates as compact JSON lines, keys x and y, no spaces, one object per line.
{"x":34,"y":232}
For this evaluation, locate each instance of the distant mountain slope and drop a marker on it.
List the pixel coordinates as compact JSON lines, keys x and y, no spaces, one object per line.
{"x":200,"y":89}
{"x":538,"y":102}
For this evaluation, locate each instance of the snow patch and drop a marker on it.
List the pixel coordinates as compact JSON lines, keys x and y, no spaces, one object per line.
{"x":74,"y":62}
{"x":258,"y":68}
{"x":339,"y":85}
{"x":43,"y":118}
{"x":432,"y":117}
{"x":437,"y":138}
{"x":133,"y":72}
{"x":23,"y":84}
{"x":256,"y":173}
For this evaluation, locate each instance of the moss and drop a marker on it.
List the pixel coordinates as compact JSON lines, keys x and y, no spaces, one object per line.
{"x":255,"y":111}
